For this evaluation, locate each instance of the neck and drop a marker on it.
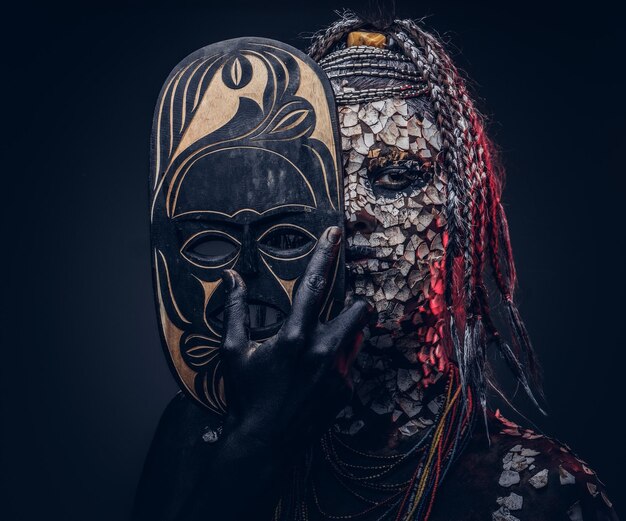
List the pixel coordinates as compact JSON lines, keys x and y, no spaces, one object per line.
{"x":399,"y":385}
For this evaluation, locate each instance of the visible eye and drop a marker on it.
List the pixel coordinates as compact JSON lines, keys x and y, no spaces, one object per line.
{"x":209,"y":249}
{"x":287,"y":241}
{"x":398,"y":177}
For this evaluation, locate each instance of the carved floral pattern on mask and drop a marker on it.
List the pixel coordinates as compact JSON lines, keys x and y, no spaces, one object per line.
{"x":397,"y":232}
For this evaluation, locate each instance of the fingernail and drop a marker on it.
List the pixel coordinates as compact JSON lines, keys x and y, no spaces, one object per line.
{"x":334,"y":234}
{"x":229,"y":279}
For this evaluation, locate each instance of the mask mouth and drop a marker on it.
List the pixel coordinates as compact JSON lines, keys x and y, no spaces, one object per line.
{"x":265,"y":319}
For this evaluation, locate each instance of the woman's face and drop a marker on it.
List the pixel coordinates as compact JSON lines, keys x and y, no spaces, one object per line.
{"x":394,"y":201}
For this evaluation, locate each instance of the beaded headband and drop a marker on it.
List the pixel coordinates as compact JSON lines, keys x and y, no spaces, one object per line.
{"x":349,"y":96}
{"x":365,"y":60}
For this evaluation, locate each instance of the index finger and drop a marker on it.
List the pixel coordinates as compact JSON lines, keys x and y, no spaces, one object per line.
{"x":236,"y":331}
{"x":309,"y":298}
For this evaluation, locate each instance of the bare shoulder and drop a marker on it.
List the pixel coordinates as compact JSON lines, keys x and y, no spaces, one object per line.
{"x":519,"y":475}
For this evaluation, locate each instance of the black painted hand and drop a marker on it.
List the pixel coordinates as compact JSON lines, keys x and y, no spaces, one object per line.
{"x":289,"y":388}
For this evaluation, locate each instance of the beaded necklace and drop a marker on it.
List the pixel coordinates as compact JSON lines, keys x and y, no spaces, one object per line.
{"x":368,"y":478}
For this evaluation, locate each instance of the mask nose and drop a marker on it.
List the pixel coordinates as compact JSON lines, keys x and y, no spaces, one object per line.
{"x":249,"y":259}
{"x":361,"y":221}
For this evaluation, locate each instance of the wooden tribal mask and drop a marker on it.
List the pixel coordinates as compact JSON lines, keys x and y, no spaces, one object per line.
{"x":245,"y":175}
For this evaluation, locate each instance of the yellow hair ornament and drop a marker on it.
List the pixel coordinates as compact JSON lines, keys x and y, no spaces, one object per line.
{"x":365,"y":38}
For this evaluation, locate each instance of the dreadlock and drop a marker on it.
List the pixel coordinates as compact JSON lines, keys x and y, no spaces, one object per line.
{"x":477,"y":237}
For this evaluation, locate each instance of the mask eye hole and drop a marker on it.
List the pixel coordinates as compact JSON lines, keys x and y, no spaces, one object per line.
{"x":210,"y":249}
{"x":287,"y":241}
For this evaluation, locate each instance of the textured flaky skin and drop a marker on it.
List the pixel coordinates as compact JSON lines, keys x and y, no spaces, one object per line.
{"x":478,"y":239}
{"x":474,"y":490}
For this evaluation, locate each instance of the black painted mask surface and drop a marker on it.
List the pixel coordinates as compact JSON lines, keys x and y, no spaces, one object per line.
{"x":245,"y":176}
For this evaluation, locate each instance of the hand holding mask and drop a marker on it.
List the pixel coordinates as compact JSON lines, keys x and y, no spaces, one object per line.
{"x":288,"y":389}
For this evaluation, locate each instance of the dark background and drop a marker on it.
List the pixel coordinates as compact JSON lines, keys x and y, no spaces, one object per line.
{"x":83,"y":377}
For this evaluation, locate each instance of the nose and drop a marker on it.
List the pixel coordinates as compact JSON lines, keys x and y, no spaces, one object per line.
{"x":249,"y":256}
{"x":361,"y":221}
